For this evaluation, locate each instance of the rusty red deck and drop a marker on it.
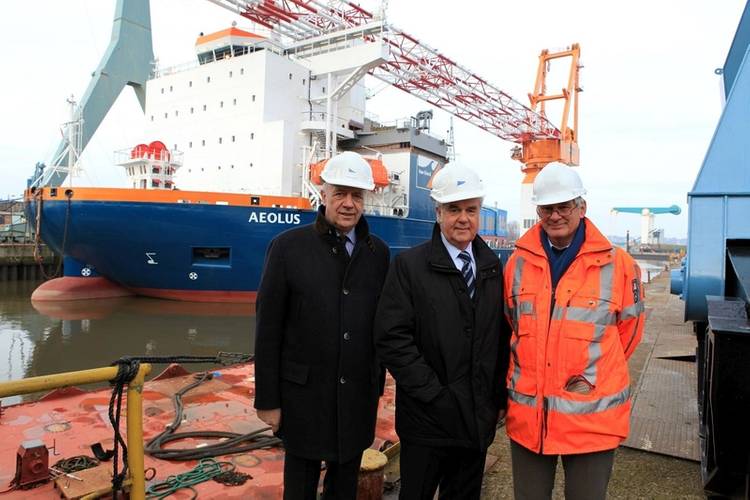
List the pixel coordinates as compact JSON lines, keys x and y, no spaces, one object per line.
{"x":75,"y":420}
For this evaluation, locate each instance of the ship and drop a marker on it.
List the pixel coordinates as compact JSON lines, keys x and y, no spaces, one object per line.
{"x":234,"y":143}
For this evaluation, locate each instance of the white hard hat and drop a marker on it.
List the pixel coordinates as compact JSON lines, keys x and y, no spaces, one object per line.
{"x":348,"y":169}
{"x":455,"y":183}
{"x":556,"y":183}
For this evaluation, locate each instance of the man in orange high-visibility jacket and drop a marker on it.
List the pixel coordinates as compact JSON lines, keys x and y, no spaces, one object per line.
{"x":576,"y":306}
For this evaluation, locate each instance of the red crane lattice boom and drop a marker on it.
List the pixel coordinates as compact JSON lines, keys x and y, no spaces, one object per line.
{"x":411,"y":66}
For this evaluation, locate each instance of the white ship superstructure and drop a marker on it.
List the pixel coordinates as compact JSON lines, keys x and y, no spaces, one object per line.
{"x":249,"y":114}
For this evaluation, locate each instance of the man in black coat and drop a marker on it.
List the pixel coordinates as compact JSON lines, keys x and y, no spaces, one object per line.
{"x":317,"y":381}
{"x":441,"y":332}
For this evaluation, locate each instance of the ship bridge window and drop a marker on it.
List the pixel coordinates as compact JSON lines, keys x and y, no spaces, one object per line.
{"x":223,"y":53}
{"x":212,"y":257}
{"x":206,"y":57}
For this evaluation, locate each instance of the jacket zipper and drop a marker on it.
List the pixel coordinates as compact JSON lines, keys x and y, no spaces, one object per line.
{"x":543,"y":433}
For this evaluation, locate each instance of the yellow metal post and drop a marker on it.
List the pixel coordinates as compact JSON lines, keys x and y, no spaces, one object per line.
{"x":49,"y":382}
{"x":134,"y":409}
{"x":135,"y":433}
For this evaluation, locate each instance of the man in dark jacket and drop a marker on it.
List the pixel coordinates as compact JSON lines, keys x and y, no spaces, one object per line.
{"x":440,"y":331}
{"x":317,"y":380}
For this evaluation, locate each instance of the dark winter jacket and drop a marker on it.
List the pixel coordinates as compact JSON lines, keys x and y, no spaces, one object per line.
{"x":314,"y":353}
{"x":447,"y":352}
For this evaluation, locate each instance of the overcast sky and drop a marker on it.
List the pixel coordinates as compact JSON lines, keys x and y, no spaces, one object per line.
{"x":650,"y":104}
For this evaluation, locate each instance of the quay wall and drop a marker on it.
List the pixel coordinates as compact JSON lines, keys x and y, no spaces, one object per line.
{"x":17,"y":262}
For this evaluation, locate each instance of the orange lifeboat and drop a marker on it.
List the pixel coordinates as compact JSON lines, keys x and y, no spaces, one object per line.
{"x":140,"y":151}
{"x":158,"y":151}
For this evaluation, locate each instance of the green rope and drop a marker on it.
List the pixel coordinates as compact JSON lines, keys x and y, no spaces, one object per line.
{"x":207,"y":469}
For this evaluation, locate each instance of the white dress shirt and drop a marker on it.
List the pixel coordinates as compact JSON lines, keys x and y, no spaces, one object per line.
{"x":453,"y":252}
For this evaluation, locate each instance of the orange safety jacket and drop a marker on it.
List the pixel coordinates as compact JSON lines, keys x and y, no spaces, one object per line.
{"x":588,"y":327}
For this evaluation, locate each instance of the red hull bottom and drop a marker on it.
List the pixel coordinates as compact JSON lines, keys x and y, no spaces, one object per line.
{"x":74,"y":288}
{"x":198,"y":295}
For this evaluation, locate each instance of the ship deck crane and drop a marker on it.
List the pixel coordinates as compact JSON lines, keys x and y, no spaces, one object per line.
{"x":422,"y":71}
{"x":407,"y":64}
{"x":647,"y":219}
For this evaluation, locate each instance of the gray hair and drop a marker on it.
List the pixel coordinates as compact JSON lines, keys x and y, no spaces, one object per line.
{"x":439,"y":205}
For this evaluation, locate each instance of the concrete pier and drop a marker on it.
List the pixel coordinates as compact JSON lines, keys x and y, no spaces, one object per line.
{"x":17,"y":262}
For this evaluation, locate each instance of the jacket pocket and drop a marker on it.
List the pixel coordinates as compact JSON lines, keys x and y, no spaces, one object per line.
{"x":522,"y":368}
{"x":444,"y":409}
{"x":294,"y":372}
{"x":587,"y":322}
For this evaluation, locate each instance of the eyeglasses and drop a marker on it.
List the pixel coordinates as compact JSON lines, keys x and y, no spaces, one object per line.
{"x":563,"y":210}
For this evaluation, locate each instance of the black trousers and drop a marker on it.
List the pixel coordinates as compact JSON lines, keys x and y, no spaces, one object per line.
{"x":586,"y":474}
{"x":301,"y":477}
{"x":458,"y":472}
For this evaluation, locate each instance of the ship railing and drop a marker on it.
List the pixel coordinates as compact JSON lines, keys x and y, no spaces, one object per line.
{"x":310,"y":191}
{"x":335,"y":40}
{"x":97,"y":375}
{"x":270,"y":45}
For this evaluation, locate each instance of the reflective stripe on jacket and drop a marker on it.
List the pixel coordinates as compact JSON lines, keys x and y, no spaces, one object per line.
{"x":588,"y":334}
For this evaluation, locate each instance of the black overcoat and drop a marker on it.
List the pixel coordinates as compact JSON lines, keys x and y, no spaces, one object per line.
{"x":447,"y":352}
{"x":314,"y":353}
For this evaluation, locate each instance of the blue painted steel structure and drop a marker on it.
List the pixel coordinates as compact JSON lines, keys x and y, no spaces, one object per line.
{"x":719,"y":202}
{"x":493,"y":222}
{"x":127,"y":61}
{"x":715,"y":283}
{"x":673,"y":209}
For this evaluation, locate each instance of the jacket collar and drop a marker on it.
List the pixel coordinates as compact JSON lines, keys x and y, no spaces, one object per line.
{"x":440,"y":258}
{"x":323,"y":227}
{"x":594,"y":241}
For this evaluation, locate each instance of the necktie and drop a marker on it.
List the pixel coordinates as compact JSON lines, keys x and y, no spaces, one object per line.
{"x":347,"y":242}
{"x":467,"y":272}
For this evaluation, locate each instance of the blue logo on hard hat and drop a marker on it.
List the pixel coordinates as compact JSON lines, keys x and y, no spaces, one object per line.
{"x":460,"y":183}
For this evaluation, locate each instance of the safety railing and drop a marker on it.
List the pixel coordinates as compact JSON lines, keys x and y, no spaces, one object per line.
{"x":96,"y":375}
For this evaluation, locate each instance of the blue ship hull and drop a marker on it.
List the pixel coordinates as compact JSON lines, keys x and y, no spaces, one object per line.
{"x":183,"y":251}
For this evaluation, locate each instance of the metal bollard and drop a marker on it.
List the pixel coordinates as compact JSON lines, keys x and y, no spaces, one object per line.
{"x":370,"y":483}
